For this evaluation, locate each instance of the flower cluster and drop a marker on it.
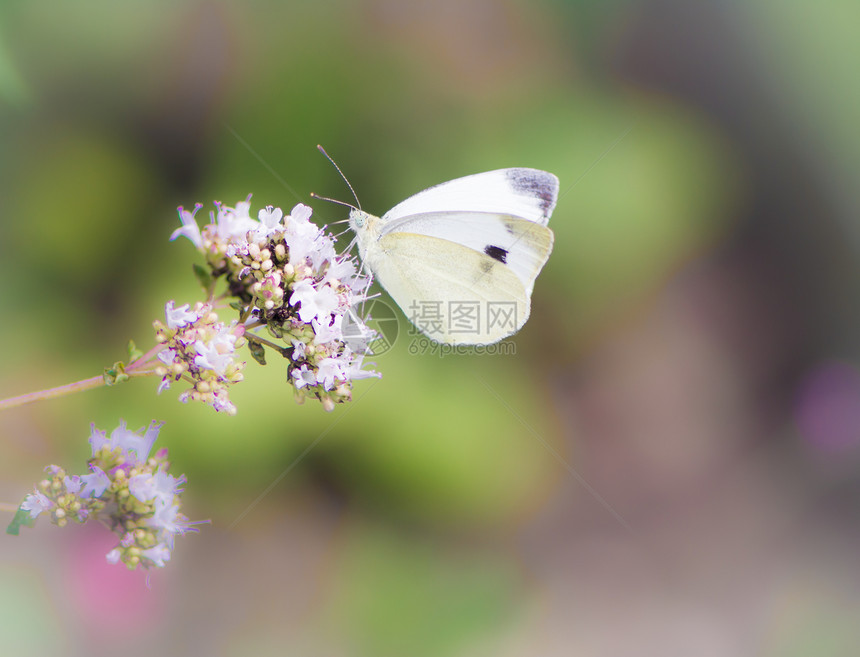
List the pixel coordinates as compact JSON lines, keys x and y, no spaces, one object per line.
{"x":201,"y":350}
{"x":127,"y":489}
{"x":286,"y":278}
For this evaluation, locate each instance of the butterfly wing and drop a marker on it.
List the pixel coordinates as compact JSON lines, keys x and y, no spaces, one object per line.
{"x":461,"y":258}
{"x":529,"y":194}
{"x":452,"y":293}
{"x":521,"y":245}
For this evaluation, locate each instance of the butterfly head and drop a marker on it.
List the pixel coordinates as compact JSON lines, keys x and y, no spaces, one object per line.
{"x":358,"y":219}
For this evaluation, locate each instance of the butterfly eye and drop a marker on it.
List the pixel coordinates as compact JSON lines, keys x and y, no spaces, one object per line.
{"x":358,"y":218}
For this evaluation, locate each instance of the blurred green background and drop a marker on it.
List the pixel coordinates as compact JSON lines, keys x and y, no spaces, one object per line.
{"x":669,"y":463}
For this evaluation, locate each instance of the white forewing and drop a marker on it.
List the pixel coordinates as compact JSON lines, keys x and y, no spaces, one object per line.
{"x":530,"y":194}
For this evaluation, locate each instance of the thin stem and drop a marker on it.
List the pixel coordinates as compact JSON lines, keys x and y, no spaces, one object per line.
{"x":140,"y":373}
{"x":143,"y":360}
{"x":11,"y":508}
{"x":51,"y":393}
{"x":268,"y":343}
{"x":248,"y":310}
{"x":134,"y":369}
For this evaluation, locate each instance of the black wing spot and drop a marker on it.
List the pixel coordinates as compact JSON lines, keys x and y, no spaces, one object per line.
{"x":497,"y":252}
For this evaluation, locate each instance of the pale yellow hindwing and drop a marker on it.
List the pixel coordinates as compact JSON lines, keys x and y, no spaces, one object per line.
{"x":452,"y":293}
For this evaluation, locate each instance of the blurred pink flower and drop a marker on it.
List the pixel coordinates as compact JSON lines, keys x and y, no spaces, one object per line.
{"x":110,"y":602}
{"x":828,"y":407}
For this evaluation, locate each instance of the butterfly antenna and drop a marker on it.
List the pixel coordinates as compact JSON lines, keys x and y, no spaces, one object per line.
{"x":328,"y":157}
{"x":331,"y":200}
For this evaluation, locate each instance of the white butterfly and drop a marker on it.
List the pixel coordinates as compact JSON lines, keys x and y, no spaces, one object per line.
{"x":461,"y":258}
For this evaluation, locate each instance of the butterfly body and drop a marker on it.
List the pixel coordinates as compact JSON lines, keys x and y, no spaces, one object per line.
{"x":461,"y":258}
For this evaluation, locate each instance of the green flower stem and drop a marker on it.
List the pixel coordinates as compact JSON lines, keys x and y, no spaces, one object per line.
{"x":268,"y":343}
{"x":135,"y":368}
{"x":248,"y":311}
